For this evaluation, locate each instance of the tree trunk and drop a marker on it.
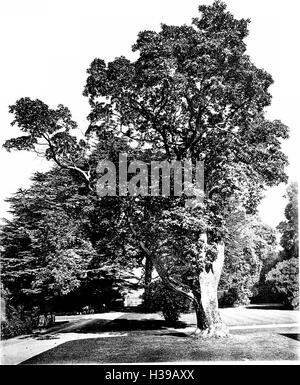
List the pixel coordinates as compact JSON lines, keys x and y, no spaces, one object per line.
{"x":200,"y":314}
{"x":209,"y":320}
{"x":147,"y":281}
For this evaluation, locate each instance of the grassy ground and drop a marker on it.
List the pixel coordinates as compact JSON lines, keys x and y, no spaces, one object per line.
{"x":151,"y":341}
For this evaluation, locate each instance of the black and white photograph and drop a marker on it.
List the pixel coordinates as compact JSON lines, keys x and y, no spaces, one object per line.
{"x":149,"y":185}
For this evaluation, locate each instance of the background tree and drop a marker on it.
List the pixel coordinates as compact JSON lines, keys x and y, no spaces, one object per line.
{"x":46,"y":248}
{"x":284,"y":277}
{"x":52,"y":247}
{"x":250,"y":245}
{"x":289,"y":227}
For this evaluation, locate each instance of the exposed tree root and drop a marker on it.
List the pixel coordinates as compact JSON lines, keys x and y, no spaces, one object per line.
{"x":216,"y":331}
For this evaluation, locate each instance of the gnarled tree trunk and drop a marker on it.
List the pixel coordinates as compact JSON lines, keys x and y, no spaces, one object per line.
{"x":209,"y":322}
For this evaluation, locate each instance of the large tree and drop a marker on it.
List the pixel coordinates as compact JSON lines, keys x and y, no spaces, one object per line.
{"x":46,"y":250}
{"x":59,"y":242}
{"x":193,"y":93}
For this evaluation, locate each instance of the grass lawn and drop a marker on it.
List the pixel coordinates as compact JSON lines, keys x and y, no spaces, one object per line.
{"x":167,"y":345}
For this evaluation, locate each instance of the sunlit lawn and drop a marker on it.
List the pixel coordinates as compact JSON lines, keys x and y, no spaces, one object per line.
{"x":150,"y":344}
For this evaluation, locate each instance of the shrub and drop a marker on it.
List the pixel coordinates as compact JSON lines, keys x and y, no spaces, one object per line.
{"x":169,"y":302}
{"x":235,"y":296}
{"x":17,"y":322}
{"x":285,"y":279}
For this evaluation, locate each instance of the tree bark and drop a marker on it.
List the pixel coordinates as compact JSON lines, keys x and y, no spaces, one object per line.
{"x":200,"y":314}
{"x":205,"y":300}
{"x":209,"y":321}
{"x":147,"y":280}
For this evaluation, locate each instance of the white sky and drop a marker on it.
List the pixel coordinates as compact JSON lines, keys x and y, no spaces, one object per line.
{"x":47,"y":45}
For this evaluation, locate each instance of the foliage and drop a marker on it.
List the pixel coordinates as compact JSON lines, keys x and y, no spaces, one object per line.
{"x":46,"y":250}
{"x":249,"y":244}
{"x":171,"y":304}
{"x":17,"y":322}
{"x":52,"y":245}
{"x":192,"y":92}
{"x":285,"y":279}
{"x":49,"y":129}
{"x":14,"y":319}
{"x":289,"y":228}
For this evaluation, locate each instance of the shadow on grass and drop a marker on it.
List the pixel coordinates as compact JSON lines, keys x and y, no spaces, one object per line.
{"x":102,"y":326}
{"x":294,"y":336}
{"x":40,"y":336}
{"x":176,"y":334}
{"x":43,"y":333}
{"x":59,"y":323}
{"x":122,"y":325}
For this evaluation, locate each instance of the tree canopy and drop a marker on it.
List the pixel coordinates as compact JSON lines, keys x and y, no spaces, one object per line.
{"x":55,"y":242}
{"x":192,"y":93}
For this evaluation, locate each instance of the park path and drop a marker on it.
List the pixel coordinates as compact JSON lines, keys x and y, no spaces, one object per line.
{"x":16,"y":350}
{"x":19,"y":349}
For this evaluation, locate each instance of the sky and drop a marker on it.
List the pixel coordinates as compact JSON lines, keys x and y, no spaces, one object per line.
{"x":47,"y":45}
